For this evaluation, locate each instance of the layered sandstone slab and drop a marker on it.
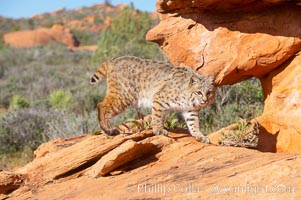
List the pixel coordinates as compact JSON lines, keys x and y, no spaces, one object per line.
{"x":235,"y":40}
{"x":42,"y":36}
{"x":181,"y":168}
{"x":126,"y":152}
{"x":81,"y":153}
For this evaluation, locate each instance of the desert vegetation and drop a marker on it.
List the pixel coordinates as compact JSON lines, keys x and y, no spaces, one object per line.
{"x":45,"y":91}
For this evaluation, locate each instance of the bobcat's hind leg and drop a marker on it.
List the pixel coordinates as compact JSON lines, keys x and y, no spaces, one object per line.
{"x":192,"y":121}
{"x":107,"y":109}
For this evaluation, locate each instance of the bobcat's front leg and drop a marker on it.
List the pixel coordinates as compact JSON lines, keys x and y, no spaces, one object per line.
{"x":192,"y":121}
{"x":158,"y":116}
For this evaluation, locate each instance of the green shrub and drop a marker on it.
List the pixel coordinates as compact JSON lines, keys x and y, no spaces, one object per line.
{"x":87,"y":99}
{"x":1,"y":41}
{"x":15,"y":57}
{"x":22,"y":129}
{"x":29,"y":127}
{"x":1,"y":70}
{"x":174,"y":121}
{"x":84,"y":37}
{"x":126,"y":36}
{"x":18,"y":102}
{"x":68,"y":124}
{"x":60,"y":99}
{"x":242,"y":100}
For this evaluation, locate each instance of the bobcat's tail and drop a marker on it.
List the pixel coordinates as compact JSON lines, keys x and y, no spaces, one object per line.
{"x":100,"y":73}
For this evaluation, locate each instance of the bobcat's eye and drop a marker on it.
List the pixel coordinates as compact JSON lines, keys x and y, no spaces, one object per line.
{"x":199,"y":93}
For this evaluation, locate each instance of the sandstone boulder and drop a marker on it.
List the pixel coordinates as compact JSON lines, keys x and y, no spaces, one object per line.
{"x":42,"y":36}
{"x":236,"y":40}
{"x":231,"y":46}
{"x":280,"y":121}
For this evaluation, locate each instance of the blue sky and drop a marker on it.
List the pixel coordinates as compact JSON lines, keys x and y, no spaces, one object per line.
{"x":28,"y":8}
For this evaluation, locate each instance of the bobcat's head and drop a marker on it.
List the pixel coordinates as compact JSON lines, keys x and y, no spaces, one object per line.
{"x":202,"y":89}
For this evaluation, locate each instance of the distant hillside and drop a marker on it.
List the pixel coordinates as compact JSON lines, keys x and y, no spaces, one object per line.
{"x":85,"y":23}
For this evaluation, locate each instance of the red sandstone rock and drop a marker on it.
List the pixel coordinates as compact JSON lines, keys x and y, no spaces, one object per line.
{"x":205,"y":170}
{"x":158,"y":141}
{"x":74,"y":157}
{"x":40,"y":36}
{"x":10,"y":181}
{"x":56,"y":145}
{"x":217,"y":38}
{"x":126,"y":152}
{"x":280,"y":121}
{"x":232,"y":46}
{"x":176,"y":6}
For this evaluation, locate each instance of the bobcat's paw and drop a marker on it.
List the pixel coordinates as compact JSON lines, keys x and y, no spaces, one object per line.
{"x":203,"y":139}
{"x":112,"y":132}
{"x":161,"y":132}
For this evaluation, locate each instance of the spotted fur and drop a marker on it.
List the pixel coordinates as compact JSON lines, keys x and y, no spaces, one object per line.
{"x":132,"y":81}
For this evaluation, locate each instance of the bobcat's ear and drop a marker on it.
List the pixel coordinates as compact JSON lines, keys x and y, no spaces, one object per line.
{"x":193,"y":80}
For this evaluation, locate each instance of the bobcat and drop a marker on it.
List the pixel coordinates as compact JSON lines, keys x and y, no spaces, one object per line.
{"x":132,"y":81}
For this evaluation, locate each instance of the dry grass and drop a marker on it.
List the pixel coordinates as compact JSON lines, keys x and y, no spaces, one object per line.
{"x":16,"y":159}
{"x":244,"y":135}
